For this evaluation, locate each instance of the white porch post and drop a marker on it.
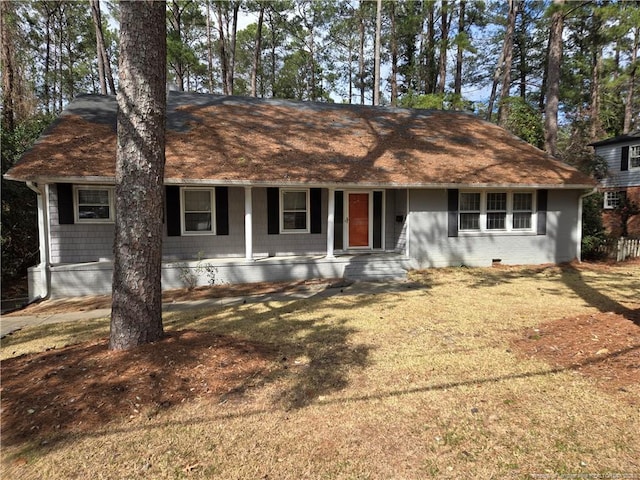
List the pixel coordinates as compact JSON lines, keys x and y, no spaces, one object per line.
{"x":331,"y":210}
{"x":248,"y":224}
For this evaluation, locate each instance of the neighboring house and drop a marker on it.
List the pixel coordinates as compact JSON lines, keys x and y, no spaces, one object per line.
{"x":273,"y":190}
{"x":622,"y":184}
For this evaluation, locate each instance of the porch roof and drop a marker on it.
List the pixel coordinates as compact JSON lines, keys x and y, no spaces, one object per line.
{"x":236,"y":140}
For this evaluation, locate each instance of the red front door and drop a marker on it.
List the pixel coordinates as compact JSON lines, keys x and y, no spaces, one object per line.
{"x":358,"y":220}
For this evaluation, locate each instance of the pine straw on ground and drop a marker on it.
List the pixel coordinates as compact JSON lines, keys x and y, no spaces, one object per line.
{"x":75,"y":388}
{"x":368,"y":372}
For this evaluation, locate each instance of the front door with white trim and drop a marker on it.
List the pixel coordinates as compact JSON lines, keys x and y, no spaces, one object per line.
{"x":358,"y":230}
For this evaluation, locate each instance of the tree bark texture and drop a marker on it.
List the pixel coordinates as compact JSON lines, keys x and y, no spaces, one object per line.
{"x":257,"y":53}
{"x":136,"y":315}
{"x":8,"y":80}
{"x":503,"y":114}
{"x":444,"y":46}
{"x":457,"y":82}
{"x":628,"y":104}
{"x":553,"y":79}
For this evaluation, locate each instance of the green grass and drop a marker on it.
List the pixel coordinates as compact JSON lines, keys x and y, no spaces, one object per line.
{"x":420,"y":382}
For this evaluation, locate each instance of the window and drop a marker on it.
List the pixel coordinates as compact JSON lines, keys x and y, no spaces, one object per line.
{"x":469,"y":211}
{"x":612,"y":199}
{"x":496,"y":211}
{"x":634,"y":156}
{"x":295,"y":211}
{"x":93,"y":204}
{"x":522,"y":211}
{"x":493,"y":211}
{"x":198,"y":211}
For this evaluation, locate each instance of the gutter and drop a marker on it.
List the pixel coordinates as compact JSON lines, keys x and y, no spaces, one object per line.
{"x":43,"y":237}
{"x":580,"y":202}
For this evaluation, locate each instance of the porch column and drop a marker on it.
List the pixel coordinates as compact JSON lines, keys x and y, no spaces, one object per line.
{"x":248,"y":224}
{"x":331,"y":210}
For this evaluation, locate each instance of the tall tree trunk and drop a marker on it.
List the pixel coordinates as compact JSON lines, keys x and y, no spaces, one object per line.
{"x":444,"y":45}
{"x":224,"y":65}
{"x":97,"y":22}
{"x":232,"y":47}
{"x":457,"y":82}
{"x":7,"y":34}
{"x":430,"y":57}
{"x":257,"y":53}
{"x":361,"y":73}
{"x":553,"y":79}
{"x":503,"y":110}
{"x":497,"y":74}
{"x":376,"y":76}
{"x":628,"y":105}
{"x":394,"y":55}
{"x":209,"y":49}
{"x":596,"y":122}
{"x":136,"y":314}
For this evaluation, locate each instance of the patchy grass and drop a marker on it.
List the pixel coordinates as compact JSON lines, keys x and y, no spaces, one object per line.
{"x":463,"y":373}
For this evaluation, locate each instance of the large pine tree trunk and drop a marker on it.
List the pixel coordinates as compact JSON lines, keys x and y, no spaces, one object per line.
{"x":97,"y":22}
{"x":444,"y":46}
{"x":553,"y":79}
{"x":394,"y":54}
{"x":628,"y":105}
{"x":136,"y":315}
{"x":503,"y":110}
{"x":457,"y":82}
{"x":257,"y":53}
{"x":7,"y":14}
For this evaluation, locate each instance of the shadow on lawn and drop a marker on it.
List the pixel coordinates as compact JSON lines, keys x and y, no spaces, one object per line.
{"x":572,"y":278}
{"x":221,"y":355}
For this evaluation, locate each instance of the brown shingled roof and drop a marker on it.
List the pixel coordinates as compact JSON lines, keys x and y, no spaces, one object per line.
{"x":253,"y":141}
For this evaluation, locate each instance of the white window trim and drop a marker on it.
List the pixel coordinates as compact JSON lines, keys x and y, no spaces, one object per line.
{"x":632,"y":157}
{"x":76,"y":204}
{"x":308,"y":211}
{"x":607,"y":201}
{"x":509,"y":230}
{"x":183,"y":223}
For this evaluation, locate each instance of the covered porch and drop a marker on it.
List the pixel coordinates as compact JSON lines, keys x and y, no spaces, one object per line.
{"x":94,"y":278}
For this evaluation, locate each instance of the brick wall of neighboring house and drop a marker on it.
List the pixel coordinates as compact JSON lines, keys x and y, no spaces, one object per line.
{"x":612,"y":221}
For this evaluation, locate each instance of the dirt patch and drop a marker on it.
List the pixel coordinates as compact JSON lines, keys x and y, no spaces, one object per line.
{"x":74,"y":389}
{"x":604,"y":347}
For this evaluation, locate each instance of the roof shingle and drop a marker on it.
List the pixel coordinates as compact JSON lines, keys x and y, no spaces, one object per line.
{"x":255,"y":141}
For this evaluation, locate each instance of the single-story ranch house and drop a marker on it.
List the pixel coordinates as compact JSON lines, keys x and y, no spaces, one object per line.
{"x":271,"y":190}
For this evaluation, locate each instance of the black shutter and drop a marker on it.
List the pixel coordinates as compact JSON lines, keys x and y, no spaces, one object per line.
{"x":315,"y":201}
{"x":172,"y":195}
{"x":542,"y":212}
{"x":452,"y":206}
{"x":273,"y":211}
{"x":339,"y":221}
{"x":624,"y":160}
{"x":377,"y":219}
{"x":65,"y":203}
{"x":222,"y":211}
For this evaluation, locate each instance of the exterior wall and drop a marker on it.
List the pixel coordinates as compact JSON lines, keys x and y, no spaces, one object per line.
{"x":612,"y":221}
{"x":80,"y":242}
{"x":189,"y":247}
{"x":284,"y":243}
{"x":429,"y":245}
{"x":84,"y":242}
{"x":396,"y":220}
{"x":612,"y":154}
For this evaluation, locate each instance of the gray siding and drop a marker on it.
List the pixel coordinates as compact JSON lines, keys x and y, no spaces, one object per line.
{"x":80,"y":242}
{"x":395,"y":221}
{"x":288,"y":243}
{"x":612,"y":154}
{"x":431,"y":247}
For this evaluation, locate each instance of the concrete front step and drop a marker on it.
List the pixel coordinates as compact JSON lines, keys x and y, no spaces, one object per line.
{"x":375,"y":269}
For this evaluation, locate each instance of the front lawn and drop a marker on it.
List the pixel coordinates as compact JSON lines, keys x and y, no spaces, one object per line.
{"x":461,"y":373}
